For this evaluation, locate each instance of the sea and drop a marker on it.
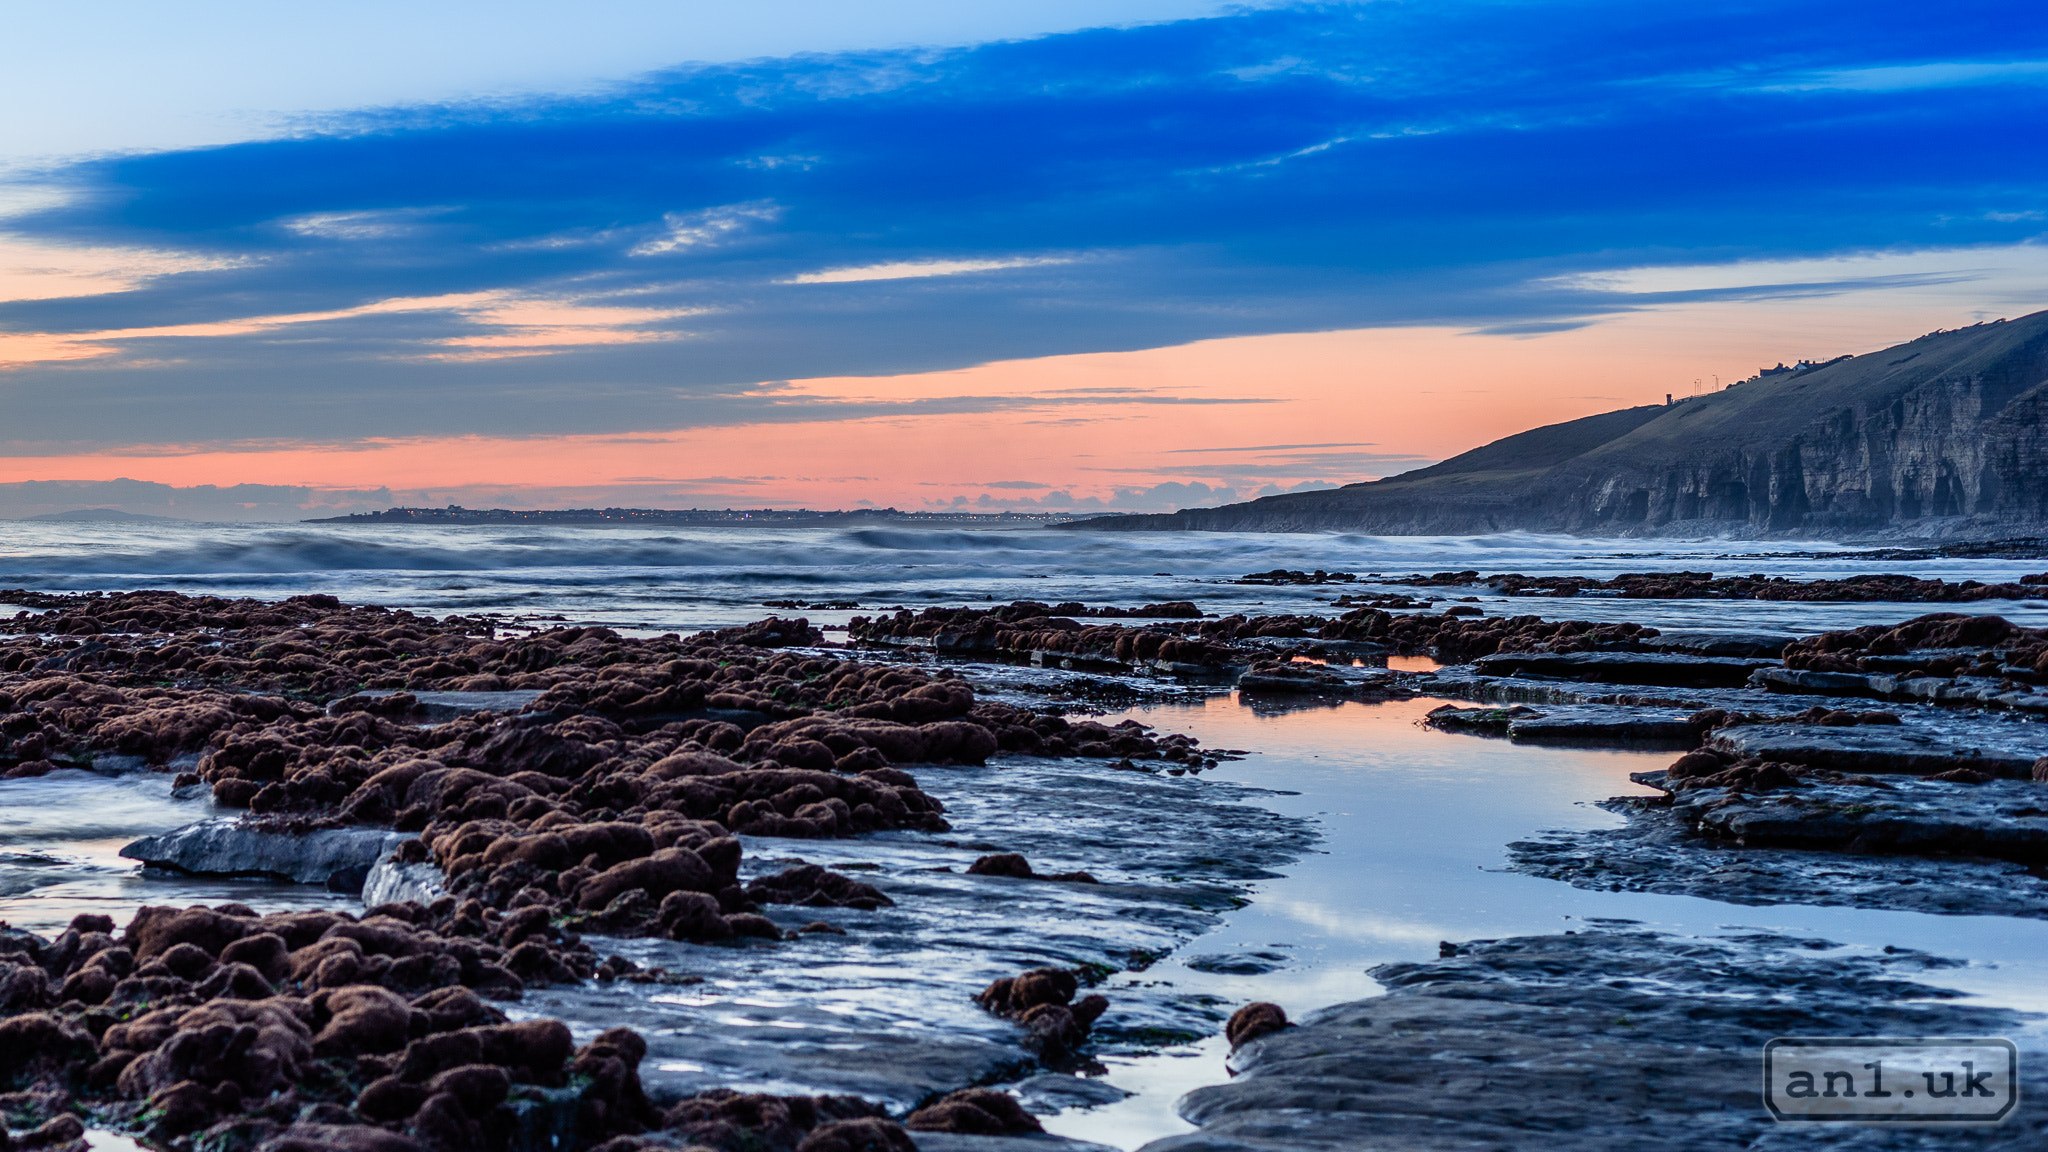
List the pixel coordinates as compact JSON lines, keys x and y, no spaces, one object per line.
{"x":1346,"y":835}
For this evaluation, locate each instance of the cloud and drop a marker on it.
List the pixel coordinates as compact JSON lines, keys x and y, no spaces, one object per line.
{"x":238,"y":502}
{"x":918,"y":269}
{"x":1904,"y":77}
{"x":1270,"y":448}
{"x":1314,"y":462}
{"x":1166,"y":496}
{"x":1303,"y":168}
{"x":683,"y":231}
{"x":361,"y":225}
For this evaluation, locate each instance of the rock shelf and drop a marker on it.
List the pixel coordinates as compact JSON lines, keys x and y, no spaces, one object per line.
{"x":1659,"y":850}
{"x":1707,"y":586}
{"x":1607,"y":1039}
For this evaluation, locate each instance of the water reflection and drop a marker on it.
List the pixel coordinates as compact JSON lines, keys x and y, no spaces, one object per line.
{"x":1414,"y":822}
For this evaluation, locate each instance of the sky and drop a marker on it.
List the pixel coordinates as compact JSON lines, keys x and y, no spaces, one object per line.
{"x":259,"y":261}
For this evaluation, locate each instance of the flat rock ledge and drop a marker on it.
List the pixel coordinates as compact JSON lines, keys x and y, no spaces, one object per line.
{"x":1898,"y":843}
{"x":1884,"y":748}
{"x":1659,"y":851}
{"x":1612,"y":1040}
{"x":1664,"y":669}
{"x":1587,"y":724}
{"x":340,"y":858}
{"x":2000,"y":819}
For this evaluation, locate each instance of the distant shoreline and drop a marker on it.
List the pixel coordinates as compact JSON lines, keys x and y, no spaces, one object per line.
{"x":697,"y":517}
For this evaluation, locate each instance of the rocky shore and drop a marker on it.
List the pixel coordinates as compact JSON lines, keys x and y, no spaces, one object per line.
{"x":550,"y":826}
{"x":1611,"y":1038}
{"x":609,"y":804}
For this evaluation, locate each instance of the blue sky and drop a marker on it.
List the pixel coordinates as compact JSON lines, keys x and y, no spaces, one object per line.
{"x":659,"y":249}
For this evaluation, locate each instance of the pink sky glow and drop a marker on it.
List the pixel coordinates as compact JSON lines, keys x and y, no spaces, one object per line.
{"x":1239,"y":417}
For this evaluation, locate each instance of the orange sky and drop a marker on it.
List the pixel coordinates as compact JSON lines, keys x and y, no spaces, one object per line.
{"x":1239,"y":414}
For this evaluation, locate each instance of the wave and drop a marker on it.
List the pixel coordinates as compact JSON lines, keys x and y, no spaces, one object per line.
{"x":693,"y":577}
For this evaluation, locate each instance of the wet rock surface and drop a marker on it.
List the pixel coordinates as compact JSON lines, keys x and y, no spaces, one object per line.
{"x":338,"y":858}
{"x":887,"y":1011}
{"x":777,"y":896}
{"x":867,"y":1048}
{"x":1660,"y":850}
{"x":1682,"y":670}
{"x":1620,"y":725}
{"x":232,"y":1029}
{"x":1701,"y":643}
{"x":1707,"y":586}
{"x":1999,"y":819}
{"x":592,"y":828}
{"x":1843,"y":808}
{"x":1027,"y":630}
{"x":1606,"y":1039}
{"x":1886,"y":748}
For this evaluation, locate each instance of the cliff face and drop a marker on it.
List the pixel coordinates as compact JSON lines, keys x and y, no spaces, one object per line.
{"x":1943,"y":436}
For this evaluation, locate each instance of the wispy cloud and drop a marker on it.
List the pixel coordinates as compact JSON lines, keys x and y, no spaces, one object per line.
{"x":1472,"y":164}
{"x":917,"y":269}
{"x":1907,"y":77}
{"x":684,"y":231}
{"x":490,"y":324}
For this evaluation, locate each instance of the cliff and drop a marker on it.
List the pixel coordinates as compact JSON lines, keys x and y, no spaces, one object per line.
{"x":1940,"y":437}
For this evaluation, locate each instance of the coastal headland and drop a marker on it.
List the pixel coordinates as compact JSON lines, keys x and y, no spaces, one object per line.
{"x":1940,"y":437}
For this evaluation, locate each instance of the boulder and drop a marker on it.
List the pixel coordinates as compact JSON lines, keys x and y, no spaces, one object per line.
{"x":340,"y":858}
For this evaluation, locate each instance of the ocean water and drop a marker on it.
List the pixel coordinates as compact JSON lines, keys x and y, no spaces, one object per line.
{"x":663,"y":579}
{"x":1348,"y":836}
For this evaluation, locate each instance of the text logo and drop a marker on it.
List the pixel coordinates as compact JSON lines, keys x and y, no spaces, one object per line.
{"x":1936,"y":1079}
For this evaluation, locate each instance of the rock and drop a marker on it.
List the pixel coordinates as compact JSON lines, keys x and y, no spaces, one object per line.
{"x":668,"y":870}
{"x":155,"y":930}
{"x":1014,"y":866}
{"x":1572,"y":724}
{"x":693,"y":916}
{"x":816,"y":887}
{"x":1253,"y":1021}
{"x":1056,"y":1091}
{"x":1540,"y":1042}
{"x":1998,"y":819}
{"x":1879,"y":748}
{"x":1659,"y":850}
{"x":61,"y":1133}
{"x":1009,"y":864}
{"x":1764,"y":645}
{"x":340,"y":858}
{"x":338,"y":1138}
{"x":1239,"y":963}
{"x":361,"y":1019}
{"x":1280,"y":676}
{"x":390,"y":882}
{"x":975,"y":1112}
{"x":866,"y":1134}
{"x":1667,"y":669}
{"x":1042,"y":1000}
{"x":723,"y":1118}
{"x":437,"y":707}
{"x":38,"y":1045}
{"x":1822,"y":683}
